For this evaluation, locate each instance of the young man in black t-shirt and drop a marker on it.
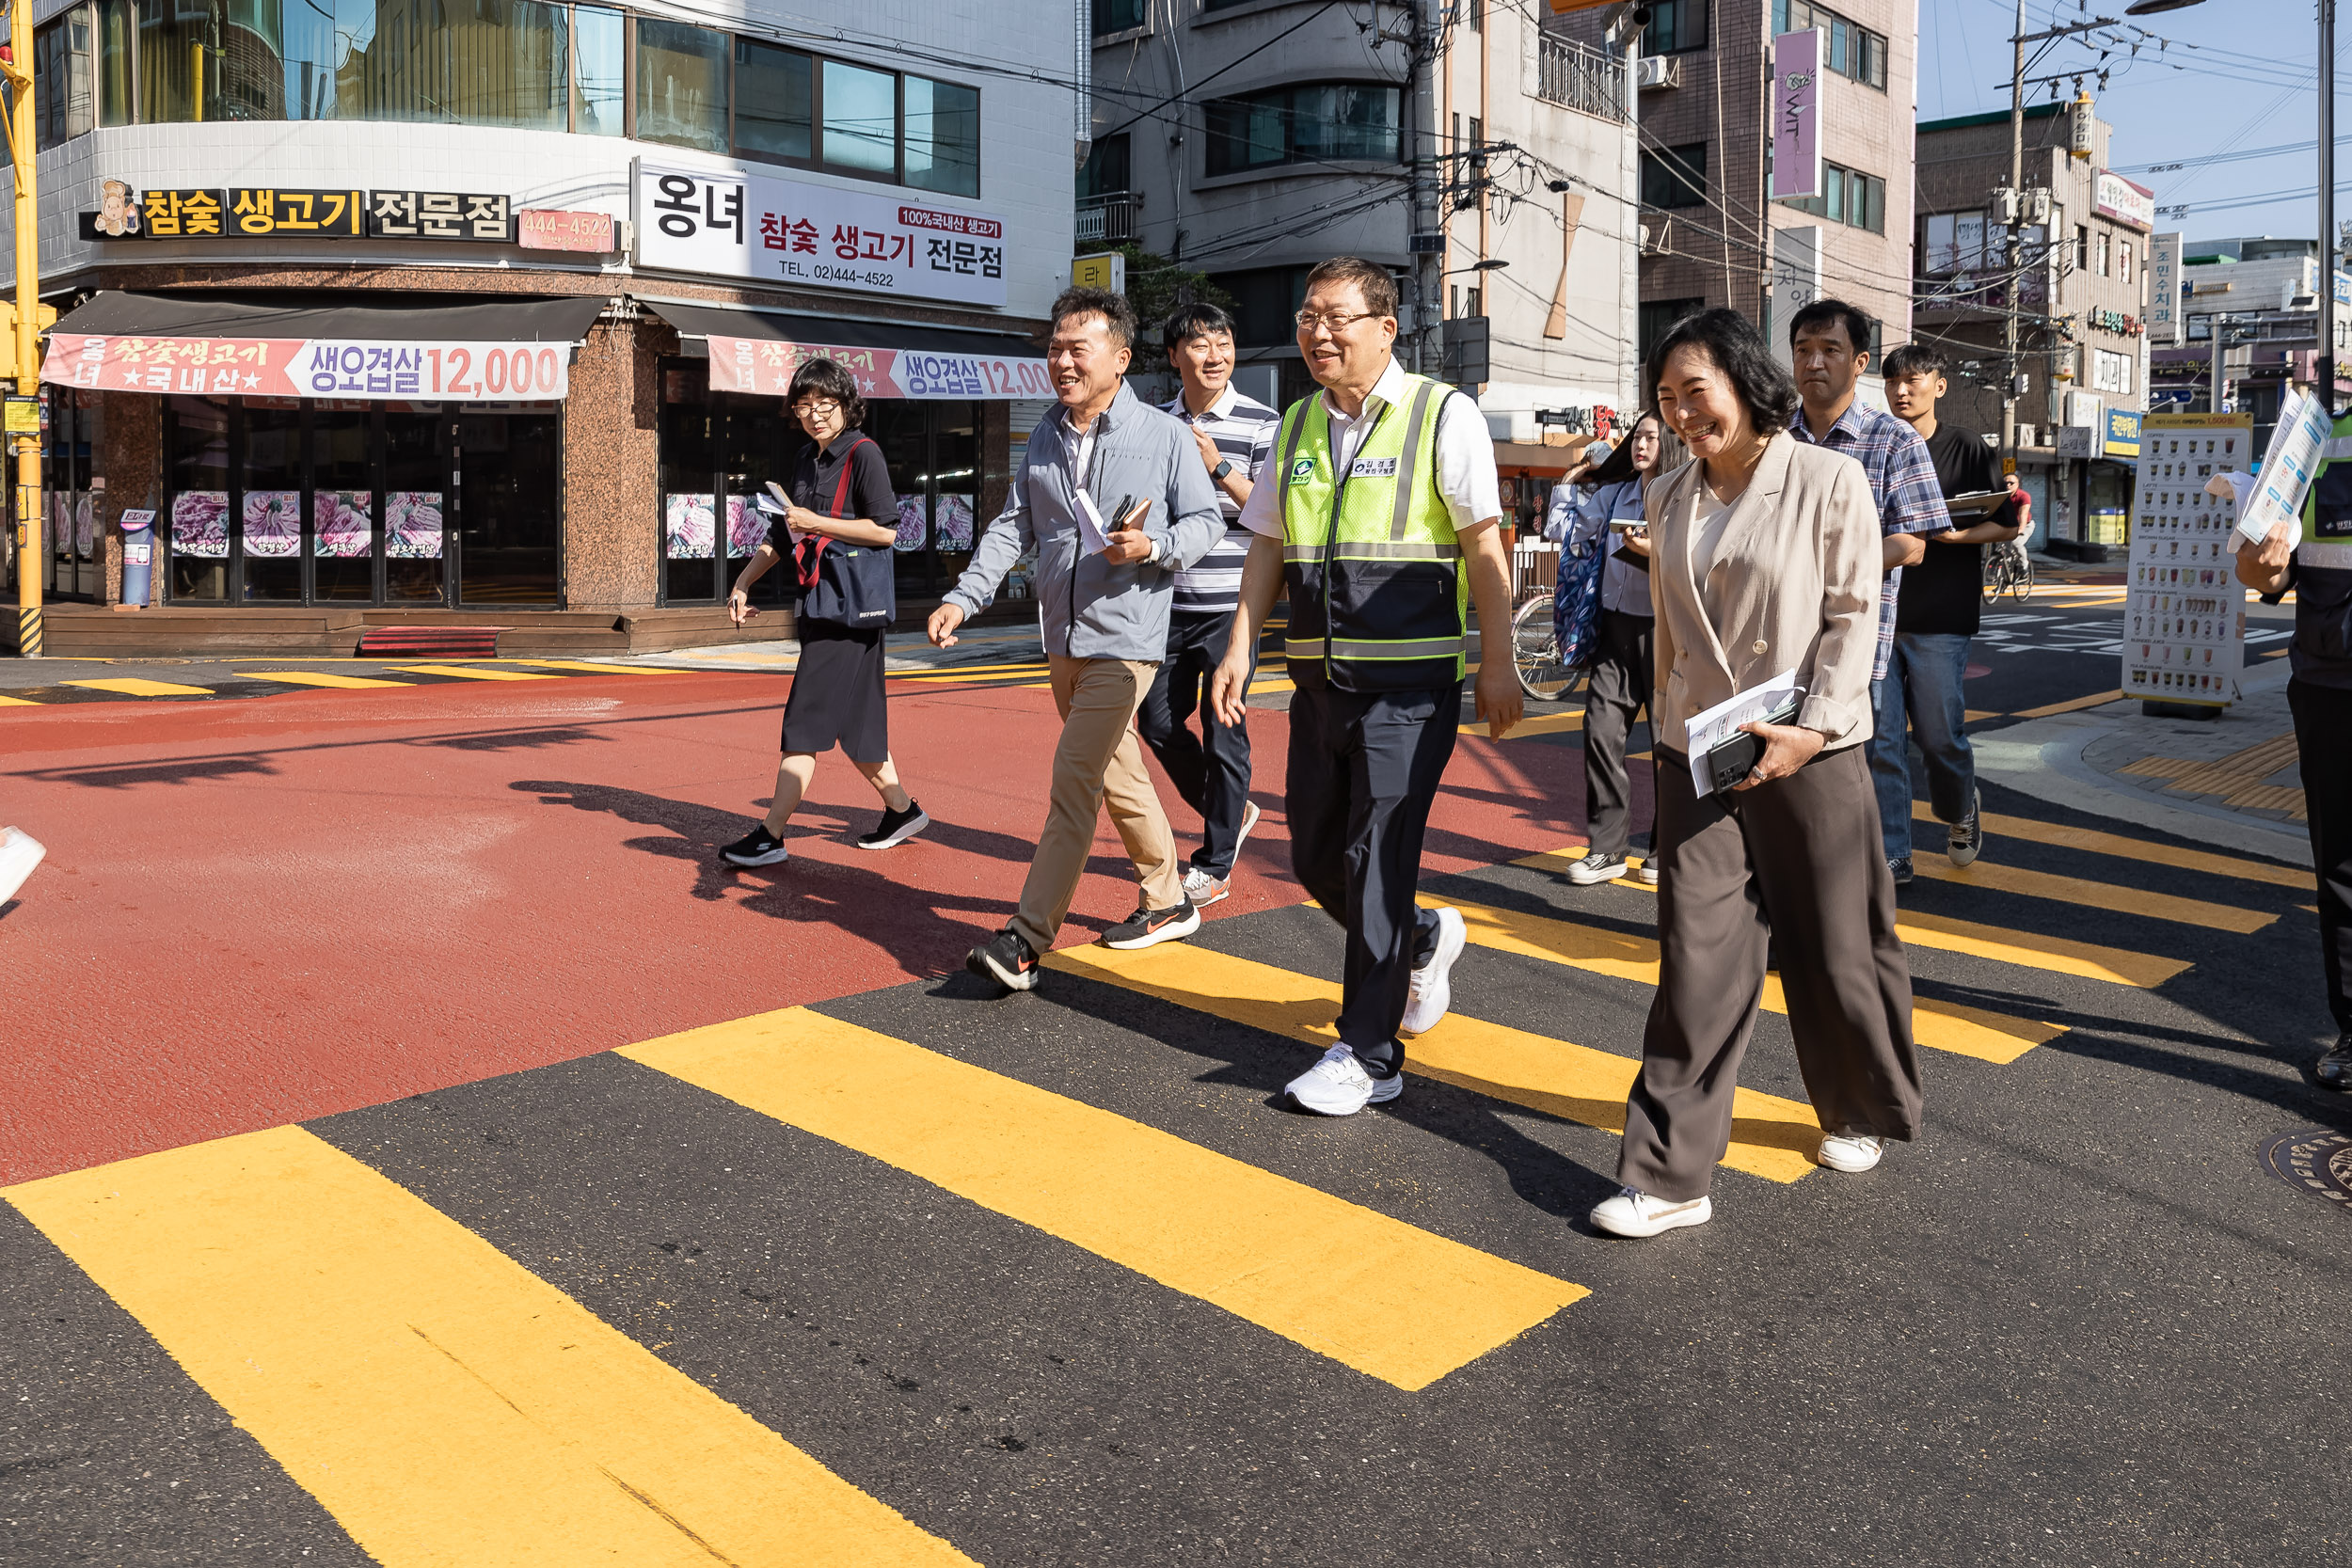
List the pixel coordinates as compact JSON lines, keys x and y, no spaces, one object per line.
{"x":1935,"y":616}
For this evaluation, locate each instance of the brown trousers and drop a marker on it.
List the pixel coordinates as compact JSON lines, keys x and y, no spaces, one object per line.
{"x":1806,"y":848}
{"x":1098,"y":761}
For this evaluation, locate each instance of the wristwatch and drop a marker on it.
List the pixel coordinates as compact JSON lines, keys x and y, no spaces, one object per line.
{"x":1224,"y":467}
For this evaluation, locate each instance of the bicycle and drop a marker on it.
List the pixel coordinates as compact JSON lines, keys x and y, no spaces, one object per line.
{"x":1535,"y":652}
{"x":2007,"y":566}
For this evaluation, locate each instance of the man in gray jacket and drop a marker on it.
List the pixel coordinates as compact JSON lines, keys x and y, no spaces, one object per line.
{"x":1114,"y":499}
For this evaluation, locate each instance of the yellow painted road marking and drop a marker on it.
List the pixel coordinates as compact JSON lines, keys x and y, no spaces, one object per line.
{"x":1392,"y":1301}
{"x":1977,"y":715}
{"x":2096,"y":700}
{"x":18,"y":702}
{"x":2093,"y":895}
{"x":469,"y":672}
{"x":2054,"y":954}
{"x":319,"y":677}
{"x":1989,"y":1037}
{"x":1549,"y":724}
{"x":132,"y":685}
{"x":586,"y":668}
{"x":2131,"y":848}
{"x":445,"y":1404}
{"x":1770,"y":1137}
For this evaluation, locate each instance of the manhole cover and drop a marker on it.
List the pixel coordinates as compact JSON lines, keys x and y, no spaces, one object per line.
{"x":2315,"y":1160}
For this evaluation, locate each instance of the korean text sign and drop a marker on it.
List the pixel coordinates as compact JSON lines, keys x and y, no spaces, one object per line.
{"x":765,"y":366}
{"x":1797,"y":114}
{"x":744,"y":225}
{"x":428,"y":371}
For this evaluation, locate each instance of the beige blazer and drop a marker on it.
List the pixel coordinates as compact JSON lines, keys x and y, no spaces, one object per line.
{"x":1803,"y":556}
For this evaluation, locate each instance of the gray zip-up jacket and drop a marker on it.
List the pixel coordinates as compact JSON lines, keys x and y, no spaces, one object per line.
{"x":1088,"y":608}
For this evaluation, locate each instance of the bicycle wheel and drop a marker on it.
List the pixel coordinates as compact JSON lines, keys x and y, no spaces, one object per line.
{"x":1534,"y":652}
{"x":2021,"y":577}
{"x":1991,"y":574}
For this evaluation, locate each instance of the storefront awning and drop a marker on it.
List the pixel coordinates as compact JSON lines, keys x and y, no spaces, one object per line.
{"x":508,"y":351}
{"x":756,"y":351}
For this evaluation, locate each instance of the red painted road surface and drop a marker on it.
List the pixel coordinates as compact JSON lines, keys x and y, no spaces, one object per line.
{"x":262,"y":911}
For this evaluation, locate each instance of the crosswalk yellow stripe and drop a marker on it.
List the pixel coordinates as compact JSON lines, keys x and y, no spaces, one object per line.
{"x":2097,"y":699}
{"x":1391,"y":1301}
{"x":587,"y":666}
{"x":320,"y":677}
{"x":1965,"y":1031}
{"x":2053,"y":954}
{"x":2131,"y":848}
{"x":469,"y":672}
{"x":1549,"y":724}
{"x":445,"y":1404}
{"x":1770,"y":1137}
{"x":1997,"y":877}
{"x":132,"y":685}
{"x":18,"y":702}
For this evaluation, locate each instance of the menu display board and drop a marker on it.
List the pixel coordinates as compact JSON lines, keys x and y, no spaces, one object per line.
{"x":2184,"y":611}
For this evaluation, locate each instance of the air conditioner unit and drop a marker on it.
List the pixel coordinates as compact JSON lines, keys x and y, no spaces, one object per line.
{"x":1657,"y":236}
{"x":1658,"y":70}
{"x":2027,"y":436}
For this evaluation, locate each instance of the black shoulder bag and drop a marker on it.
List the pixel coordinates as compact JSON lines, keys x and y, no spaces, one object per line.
{"x":849,"y":585}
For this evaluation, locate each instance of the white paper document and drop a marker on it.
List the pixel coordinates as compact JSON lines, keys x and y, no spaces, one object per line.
{"x":770,"y":506}
{"x":2287,"y":469}
{"x":1718,"y":723}
{"x":1091,"y":533}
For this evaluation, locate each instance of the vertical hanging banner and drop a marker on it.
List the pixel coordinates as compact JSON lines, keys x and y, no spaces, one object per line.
{"x":1797,"y":114}
{"x":1796,"y":282}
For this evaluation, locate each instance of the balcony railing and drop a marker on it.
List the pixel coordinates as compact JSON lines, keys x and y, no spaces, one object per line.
{"x":1577,"y":76}
{"x":1107,"y":219}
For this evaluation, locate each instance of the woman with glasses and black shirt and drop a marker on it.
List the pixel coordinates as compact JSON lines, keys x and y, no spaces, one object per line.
{"x":840,"y":544}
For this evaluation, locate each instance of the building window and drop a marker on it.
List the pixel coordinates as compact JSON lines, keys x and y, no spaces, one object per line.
{"x":2106,"y":250}
{"x":861,"y":119}
{"x":1116,"y":15}
{"x":681,"y":84}
{"x":943,"y":136}
{"x":1675,"y":27}
{"x":2124,"y":254}
{"x":599,"y":71}
{"x":1265,"y":301}
{"x":1657,"y":318}
{"x":2113,"y":372}
{"x":1851,"y":50}
{"x":1675,"y":176}
{"x":1848,"y":197}
{"x":774,"y":102}
{"x":62,"y":107}
{"x":1322,"y":123}
{"x":1106,"y":170}
{"x":1478,"y":16}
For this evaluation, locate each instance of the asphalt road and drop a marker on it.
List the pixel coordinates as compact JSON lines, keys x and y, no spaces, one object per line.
{"x":909,"y":1272}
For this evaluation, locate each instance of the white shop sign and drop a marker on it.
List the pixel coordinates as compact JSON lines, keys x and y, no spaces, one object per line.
{"x":739,"y":224}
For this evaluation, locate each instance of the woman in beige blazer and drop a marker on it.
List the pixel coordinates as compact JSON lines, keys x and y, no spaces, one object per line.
{"x":1764,"y":557}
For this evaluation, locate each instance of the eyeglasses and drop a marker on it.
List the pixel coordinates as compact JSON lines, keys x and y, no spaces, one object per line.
{"x":807,"y":406}
{"x":1337,"y":320}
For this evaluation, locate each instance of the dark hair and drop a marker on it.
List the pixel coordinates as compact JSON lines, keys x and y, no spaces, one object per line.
{"x":1822,"y":311}
{"x":1372,"y":280}
{"x":1738,"y":349}
{"x":1617,"y":466}
{"x":1119,"y":317}
{"x":1912,"y":359}
{"x":825,"y":378}
{"x":1194,"y":320}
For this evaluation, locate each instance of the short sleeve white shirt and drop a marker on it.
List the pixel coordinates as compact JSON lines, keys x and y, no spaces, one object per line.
{"x":1466,"y":457}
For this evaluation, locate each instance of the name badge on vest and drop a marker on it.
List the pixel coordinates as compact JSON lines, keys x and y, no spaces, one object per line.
{"x":1373,"y":468}
{"x":1302,"y":470}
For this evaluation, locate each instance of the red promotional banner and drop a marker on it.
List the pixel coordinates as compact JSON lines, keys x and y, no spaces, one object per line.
{"x":435,"y":370}
{"x":765,"y":365}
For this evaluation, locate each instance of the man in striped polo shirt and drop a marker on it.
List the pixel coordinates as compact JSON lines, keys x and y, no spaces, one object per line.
{"x":1236,"y":435}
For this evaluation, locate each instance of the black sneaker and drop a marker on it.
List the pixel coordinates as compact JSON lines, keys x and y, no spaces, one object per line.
{"x":1900,"y":871}
{"x":2334,"y":1069}
{"x":758,"y":847}
{"x":1966,"y":838}
{"x":1007,"y":960}
{"x":1149,"y":927}
{"x":896,"y":828}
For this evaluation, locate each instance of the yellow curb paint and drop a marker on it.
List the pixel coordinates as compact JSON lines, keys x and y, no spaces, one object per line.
{"x":18,"y":702}
{"x":445,"y":1404}
{"x":2093,"y":895}
{"x":132,"y":685}
{"x":2131,"y":848}
{"x":586,"y":668}
{"x":1989,"y":1037}
{"x":2096,"y":700}
{"x":1549,"y":724}
{"x":2055,"y":955}
{"x":1770,"y":1137}
{"x":319,"y":677}
{"x":1384,"y":1297}
{"x":467,"y":671}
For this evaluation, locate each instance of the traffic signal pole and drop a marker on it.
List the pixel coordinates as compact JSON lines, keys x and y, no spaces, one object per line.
{"x":17,"y":72}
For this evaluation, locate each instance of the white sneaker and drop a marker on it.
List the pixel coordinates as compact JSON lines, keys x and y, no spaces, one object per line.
{"x":1634,"y":1212}
{"x":1432,"y":991}
{"x":1850,"y":1151}
{"x":20,"y":851}
{"x":1250,"y":814}
{"x":1338,"y":1085}
{"x":1649,"y":868}
{"x":1597,"y":866}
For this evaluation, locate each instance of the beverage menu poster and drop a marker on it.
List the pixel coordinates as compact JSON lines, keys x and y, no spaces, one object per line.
{"x":2184,"y":611}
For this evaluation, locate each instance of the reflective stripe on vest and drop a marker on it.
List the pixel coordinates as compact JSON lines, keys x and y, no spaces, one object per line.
{"x":1377,"y":593}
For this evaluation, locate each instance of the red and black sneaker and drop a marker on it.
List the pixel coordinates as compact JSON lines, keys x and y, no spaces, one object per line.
{"x":1007,"y":960}
{"x":1149,"y":927}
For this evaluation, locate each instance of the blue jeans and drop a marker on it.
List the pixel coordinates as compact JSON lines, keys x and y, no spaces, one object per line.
{"x":1923,"y":675}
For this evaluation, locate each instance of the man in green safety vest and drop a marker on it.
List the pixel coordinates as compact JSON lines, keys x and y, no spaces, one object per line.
{"x":1379,"y":513}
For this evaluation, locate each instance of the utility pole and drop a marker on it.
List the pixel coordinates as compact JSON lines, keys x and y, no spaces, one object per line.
{"x":16,"y":70}
{"x":2015,"y":215}
{"x":1422,"y":161}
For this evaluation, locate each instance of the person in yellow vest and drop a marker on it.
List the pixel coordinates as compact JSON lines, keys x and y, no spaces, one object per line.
{"x":1379,"y":513}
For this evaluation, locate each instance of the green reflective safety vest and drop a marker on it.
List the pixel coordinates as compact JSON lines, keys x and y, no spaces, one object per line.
{"x":1377,"y":594}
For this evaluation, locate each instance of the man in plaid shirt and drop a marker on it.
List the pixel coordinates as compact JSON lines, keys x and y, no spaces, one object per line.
{"x":1829,"y":345}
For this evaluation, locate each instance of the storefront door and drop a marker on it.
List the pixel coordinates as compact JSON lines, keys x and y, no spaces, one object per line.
{"x":74,"y":564}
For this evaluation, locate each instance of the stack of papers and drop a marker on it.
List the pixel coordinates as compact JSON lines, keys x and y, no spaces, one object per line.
{"x":1718,"y":723}
{"x":2286,"y":472}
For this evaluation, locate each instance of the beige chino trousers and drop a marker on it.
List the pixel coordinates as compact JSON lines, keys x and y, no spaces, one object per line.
{"x":1098,"y":761}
